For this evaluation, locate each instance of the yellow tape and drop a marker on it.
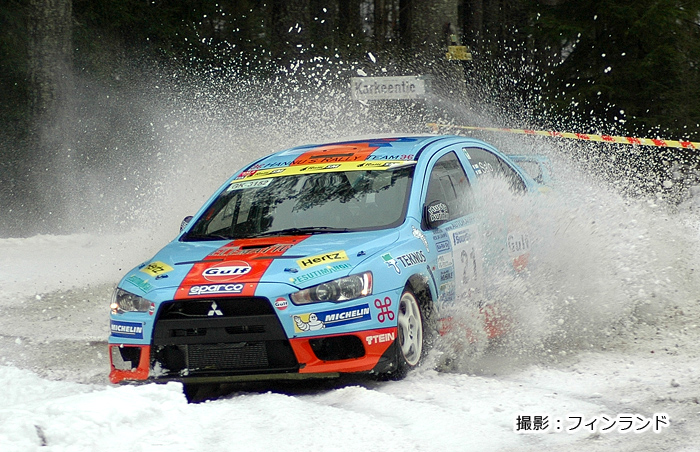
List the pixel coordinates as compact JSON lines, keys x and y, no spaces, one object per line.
{"x":364,"y":165}
{"x":581,"y":136}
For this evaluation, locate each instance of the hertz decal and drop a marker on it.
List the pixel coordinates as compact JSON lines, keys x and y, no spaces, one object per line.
{"x":581,"y":136}
{"x":326,"y":258}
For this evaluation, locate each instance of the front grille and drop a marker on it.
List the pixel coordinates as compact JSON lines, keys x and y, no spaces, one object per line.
{"x":241,"y":355}
{"x":228,"y":307}
{"x":243,"y":337}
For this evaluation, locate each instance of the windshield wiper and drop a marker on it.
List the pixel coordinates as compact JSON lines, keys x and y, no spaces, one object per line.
{"x":302,"y":231}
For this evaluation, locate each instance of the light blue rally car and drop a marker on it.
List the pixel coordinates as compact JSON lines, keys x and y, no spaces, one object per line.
{"x":320,"y":260}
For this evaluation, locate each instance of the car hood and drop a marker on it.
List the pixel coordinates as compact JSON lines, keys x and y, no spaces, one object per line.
{"x":295,"y":260}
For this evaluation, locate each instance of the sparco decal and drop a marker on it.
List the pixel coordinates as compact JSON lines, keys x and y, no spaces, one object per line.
{"x":226,"y":271}
{"x":212,"y":289}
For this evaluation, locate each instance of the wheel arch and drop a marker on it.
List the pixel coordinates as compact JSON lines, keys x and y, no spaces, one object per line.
{"x":424,"y":291}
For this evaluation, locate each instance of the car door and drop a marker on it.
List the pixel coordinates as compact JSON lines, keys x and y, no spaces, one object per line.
{"x":450,"y":220}
{"x":488,"y":164}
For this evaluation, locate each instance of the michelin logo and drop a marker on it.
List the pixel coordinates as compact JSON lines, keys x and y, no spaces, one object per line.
{"x":315,"y":321}
{"x":126,"y":329}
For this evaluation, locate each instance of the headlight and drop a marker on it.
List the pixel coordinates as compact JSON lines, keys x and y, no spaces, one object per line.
{"x":343,"y":289}
{"x":123,"y":301}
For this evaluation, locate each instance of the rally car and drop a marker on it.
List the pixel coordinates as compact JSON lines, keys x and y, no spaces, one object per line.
{"x":318,"y":261}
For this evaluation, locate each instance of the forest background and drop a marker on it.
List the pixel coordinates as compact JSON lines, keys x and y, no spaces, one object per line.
{"x":617,"y":67}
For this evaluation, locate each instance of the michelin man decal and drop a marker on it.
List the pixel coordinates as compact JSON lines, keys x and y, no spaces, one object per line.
{"x":312,"y":325}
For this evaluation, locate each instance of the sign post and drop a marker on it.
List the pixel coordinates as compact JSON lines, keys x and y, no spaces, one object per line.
{"x":399,"y":87}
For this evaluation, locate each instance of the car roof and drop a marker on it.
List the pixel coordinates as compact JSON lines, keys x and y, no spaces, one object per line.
{"x":404,"y":148}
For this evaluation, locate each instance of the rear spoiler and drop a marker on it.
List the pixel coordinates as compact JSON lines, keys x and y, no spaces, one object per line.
{"x":538,"y":167}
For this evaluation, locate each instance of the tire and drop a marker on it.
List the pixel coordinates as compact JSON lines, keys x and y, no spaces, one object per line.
{"x":200,"y":392}
{"x":410,"y":339}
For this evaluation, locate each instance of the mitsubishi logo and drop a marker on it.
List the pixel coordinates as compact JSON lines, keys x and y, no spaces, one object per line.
{"x":214,"y":310}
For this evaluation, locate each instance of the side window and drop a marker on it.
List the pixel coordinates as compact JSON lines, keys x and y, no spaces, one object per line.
{"x":448,"y":183}
{"x":487,"y":164}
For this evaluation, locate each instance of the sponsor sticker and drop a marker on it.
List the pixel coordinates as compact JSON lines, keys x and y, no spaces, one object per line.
{"x":213,"y":289}
{"x":142,"y":284}
{"x":518,"y":243}
{"x":300,"y":167}
{"x":326,"y":258}
{"x":442,"y":246}
{"x":440,"y":235}
{"x":411,"y":259}
{"x":460,"y":237}
{"x":380,"y":338}
{"x":384,"y":307}
{"x":249,"y":184}
{"x":157,"y":268}
{"x":226,"y":271}
{"x":391,"y":263}
{"x":315,"y":321}
{"x":447,"y":274}
{"x":447,"y":292}
{"x":438,"y":212}
{"x":444,"y":260}
{"x":281,"y":303}
{"x":237,"y":250}
{"x":419,"y":235}
{"x":320,"y":272}
{"x":130,"y":330}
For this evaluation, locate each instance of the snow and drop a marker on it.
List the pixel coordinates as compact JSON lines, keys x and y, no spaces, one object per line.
{"x":54,"y":297}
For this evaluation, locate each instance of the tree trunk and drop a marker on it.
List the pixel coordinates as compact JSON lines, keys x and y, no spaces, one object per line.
{"x":49,"y":54}
{"x":290,"y":27}
{"x":428,"y":35}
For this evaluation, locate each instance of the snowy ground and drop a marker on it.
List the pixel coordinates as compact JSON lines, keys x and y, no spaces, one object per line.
{"x":54,"y":296}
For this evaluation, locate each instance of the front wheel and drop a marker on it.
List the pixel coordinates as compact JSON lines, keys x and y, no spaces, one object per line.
{"x":410,"y":332}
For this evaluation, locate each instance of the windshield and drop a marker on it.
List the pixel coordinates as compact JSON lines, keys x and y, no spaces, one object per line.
{"x":307,"y":203}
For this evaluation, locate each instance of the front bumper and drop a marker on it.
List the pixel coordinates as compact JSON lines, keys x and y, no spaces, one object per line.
{"x":247,"y":343}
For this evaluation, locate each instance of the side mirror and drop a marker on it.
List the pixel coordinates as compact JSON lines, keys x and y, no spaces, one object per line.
{"x":185,"y":222}
{"x":435,"y":214}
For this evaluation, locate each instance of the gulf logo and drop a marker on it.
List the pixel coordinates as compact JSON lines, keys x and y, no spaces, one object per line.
{"x":281,"y":303}
{"x":226,"y":271}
